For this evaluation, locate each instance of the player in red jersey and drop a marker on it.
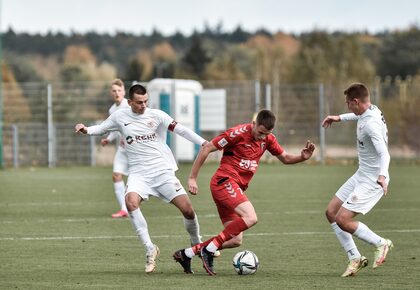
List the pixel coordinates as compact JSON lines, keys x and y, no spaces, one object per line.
{"x":242,"y":147}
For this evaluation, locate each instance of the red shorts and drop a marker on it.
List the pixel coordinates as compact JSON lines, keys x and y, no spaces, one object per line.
{"x":227,"y":195}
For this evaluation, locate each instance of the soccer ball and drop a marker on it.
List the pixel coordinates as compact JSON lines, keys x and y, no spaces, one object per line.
{"x":245,"y":263}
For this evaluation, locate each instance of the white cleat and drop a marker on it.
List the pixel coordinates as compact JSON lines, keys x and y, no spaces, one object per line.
{"x":354,"y":266}
{"x":151,"y":260}
{"x":381,"y":252}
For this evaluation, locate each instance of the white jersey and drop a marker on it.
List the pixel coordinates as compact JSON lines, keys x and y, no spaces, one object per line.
{"x":115,"y":134}
{"x":372,"y":142}
{"x":145,"y":136}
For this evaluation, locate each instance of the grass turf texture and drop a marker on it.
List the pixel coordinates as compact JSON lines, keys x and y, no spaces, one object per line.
{"x":56,"y":232}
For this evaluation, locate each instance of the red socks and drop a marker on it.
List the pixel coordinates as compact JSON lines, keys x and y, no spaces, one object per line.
{"x":234,"y":228}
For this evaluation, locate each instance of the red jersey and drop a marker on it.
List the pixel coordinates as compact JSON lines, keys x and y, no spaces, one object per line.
{"x":241,"y":153}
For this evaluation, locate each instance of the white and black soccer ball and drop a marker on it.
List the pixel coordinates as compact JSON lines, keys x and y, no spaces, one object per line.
{"x":245,"y":263}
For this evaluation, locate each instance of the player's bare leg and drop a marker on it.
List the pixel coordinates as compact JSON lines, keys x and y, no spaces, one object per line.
{"x":183,"y":203}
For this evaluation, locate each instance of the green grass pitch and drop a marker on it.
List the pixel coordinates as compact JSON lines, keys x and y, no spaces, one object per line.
{"x":56,"y":232}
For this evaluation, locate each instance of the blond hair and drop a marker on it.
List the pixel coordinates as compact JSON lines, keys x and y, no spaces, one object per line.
{"x":117,"y":82}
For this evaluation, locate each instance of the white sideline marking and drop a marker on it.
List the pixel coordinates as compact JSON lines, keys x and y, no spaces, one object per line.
{"x":79,"y":203}
{"x":49,"y":203}
{"x":103,"y":219}
{"x":183,"y":236}
{"x":109,"y":219}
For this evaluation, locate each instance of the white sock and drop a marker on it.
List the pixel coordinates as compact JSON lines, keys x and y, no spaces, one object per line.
{"x":119,"y":189}
{"x":346,"y":241}
{"x":368,"y":236}
{"x":211,"y":247}
{"x":193,"y":228}
{"x":189,"y":253}
{"x":140,"y":227}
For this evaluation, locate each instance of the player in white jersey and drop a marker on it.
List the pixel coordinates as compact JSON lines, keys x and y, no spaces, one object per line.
{"x":364,"y":189}
{"x":151,"y":164}
{"x":120,"y":165}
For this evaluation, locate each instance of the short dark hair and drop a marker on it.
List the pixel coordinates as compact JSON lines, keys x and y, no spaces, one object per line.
{"x":266,"y":118}
{"x":357,"y":91}
{"x":136,"y":88}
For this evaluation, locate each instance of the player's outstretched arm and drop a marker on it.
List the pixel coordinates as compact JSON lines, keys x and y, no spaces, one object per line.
{"x":205,"y":150}
{"x":329,"y":120}
{"x":80,"y":129}
{"x":188,"y":134}
{"x":109,"y":125}
{"x":305,"y":154}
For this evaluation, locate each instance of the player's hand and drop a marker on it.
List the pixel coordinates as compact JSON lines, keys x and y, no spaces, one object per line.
{"x":382,"y":182}
{"x":329,"y":120}
{"x":192,"y":186}
{"x":104,"y":142}
{"x":308,"y":150}
{"x":80,"y":129}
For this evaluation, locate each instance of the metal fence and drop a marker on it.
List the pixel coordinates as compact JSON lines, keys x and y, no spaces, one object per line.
{"x":39,"y":118}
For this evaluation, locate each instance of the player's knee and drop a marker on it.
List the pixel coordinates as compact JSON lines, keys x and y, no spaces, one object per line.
{"x":254,"y":220}
{"x":131,"y":202}
{"x":189,"y":213}
{"x":251,"y":220}
{"x":330,"y":215}
{"x":131,"y":205}
{"x":341,"y":222}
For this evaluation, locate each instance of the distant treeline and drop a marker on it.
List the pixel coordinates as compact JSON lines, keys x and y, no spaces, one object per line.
{"x":316,"y":56}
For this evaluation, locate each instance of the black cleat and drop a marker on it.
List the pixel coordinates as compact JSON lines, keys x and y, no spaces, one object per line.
{"x":180,"y":257}
{"x":207,"y":259}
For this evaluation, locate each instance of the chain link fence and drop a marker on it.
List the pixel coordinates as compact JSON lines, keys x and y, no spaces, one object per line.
{"x":39,"y":118}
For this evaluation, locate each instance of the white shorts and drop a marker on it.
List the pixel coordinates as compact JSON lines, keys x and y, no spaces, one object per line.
{"x":120,"y":162}
{"x":165,"y":186}
{"x":359,"y":194}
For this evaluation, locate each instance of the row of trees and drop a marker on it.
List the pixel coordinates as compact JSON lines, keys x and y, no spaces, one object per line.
{"x":316,"y":56}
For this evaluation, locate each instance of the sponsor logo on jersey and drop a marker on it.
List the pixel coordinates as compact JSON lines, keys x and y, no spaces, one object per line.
{"x":248,"y":164}
{"x":361,"y":144}
{"x":222,"y":142}
{"x":146,"y":138}
{"x":237,"y":132}
{"x":141,"y":139}
{"x":126,"y":124}
{"x":262,"y":145}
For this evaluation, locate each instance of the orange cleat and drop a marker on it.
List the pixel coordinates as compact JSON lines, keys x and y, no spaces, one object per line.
{"x":120,"y":214}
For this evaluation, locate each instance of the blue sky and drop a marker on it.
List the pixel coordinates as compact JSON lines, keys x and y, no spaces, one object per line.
{"x":140,"y":16}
